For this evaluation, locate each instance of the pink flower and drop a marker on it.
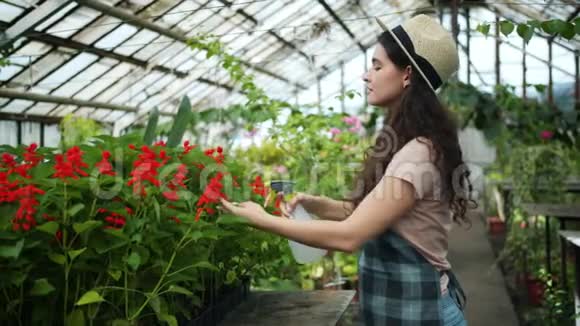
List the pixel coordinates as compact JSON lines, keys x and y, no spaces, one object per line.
{"x":335,"y":131}
{"x":546,"y":134}
{"x":251,"y":133}
{"x":523,"y":224}
{"x":280,"y":169}
{"x":354,"y":122}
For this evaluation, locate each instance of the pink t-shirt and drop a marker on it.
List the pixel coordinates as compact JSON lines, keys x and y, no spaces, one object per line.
{"x":426,"y":226}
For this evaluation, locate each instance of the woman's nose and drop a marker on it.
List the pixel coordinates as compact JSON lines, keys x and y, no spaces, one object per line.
{"x":365,"y":77}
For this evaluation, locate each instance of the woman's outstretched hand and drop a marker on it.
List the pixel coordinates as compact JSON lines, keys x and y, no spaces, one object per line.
{"x":248,"y":210}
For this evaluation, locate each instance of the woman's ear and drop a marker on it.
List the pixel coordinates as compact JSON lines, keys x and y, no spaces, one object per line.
{"x":407,"y":76}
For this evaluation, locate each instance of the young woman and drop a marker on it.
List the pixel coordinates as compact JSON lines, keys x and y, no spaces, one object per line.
{"x":412,"y":188}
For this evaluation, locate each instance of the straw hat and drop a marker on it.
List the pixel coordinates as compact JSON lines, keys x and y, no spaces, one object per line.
{"x":429,"y":46}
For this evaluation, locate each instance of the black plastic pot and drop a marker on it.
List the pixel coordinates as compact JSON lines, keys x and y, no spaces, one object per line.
{"x":225,"y":303}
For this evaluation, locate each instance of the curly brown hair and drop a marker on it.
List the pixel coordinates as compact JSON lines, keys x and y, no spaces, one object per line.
{"x":418,"y":114}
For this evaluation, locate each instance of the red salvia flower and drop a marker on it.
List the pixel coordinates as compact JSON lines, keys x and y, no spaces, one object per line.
{"x":277,"y":206}
{"x":145,"y":169}
{"x":175,"y":219}
{"x":258,"y":187}
{"x":160,"y":143}
{"x":30,"y":155}
{"x":187,"y":147}
{"x":171,"y":195}
{"x":70,"y":166}
{"x":219,"y":157}
{"x":115,"y":221}
{"x":24,"y":217}
{"x":8,"y":161}
{"x":104,"y":165}
{"x":213,"y":191}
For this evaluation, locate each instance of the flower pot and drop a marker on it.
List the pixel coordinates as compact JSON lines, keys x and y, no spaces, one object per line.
{"x":535,"y":289}
{"x":224,"y":304}
{"x":495,"y":225}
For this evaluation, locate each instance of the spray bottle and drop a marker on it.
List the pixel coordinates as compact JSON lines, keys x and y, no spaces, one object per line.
{"x":302,"y":253}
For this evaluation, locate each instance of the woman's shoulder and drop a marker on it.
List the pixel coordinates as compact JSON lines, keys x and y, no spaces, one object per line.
{"x":418,"y":146}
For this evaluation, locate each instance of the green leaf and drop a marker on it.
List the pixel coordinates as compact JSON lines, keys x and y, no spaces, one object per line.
{"x":48,"y":227}
{"x":41,"y":287}
{"x":506,"y":27}
{"x":115,"y":274}
{"x":483,"y":28}
{"x":86,"y":226}
{"x":206,"y":264}
{"x":540,"y":88}
{"x":120,"y":322}
{"x":179,"y":289}
{"x":75,"y":209}
{"x":535,"y":24}
{"x":12,"y":251}
{"x":577,"y":25}
{"x":568,"y":31}
{"x":169,"y":319}
{"x":75,"y":253}
{"x":180,"y":123}
{"x":151,"y":126}
{"x":525,"y":32}
{"x":155,"y":303}
{"x":89,"y":297}
{"x":75,"y":318}
{"x":231,"y":277}
{"x":231,"y":219}
{"x":157,"y":210}
{"x":57,"y":258}
{"x":134,"y":260}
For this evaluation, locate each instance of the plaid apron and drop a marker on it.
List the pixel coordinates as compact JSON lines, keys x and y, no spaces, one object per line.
{"x":399,"y":287}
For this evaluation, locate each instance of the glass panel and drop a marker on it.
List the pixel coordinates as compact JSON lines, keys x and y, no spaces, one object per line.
{"x":116,"y":37}
{"x":8,"y":133}
{"x":63,"y":110}
{"x":82,"y":79}
{"x":99,"y":85}
{"x":9,"y":12}
{"x":41,"y":108}
{"x":136,"y":42}
{"x":68,"y":70}
{"x":40,"y":68}
{"x":17,"y":106}
{"x":56,"y":17}
{"x":51,"y":135}
{"x":153,"y":48}
{"x":30,"y":132}
{"x":95,"y":30}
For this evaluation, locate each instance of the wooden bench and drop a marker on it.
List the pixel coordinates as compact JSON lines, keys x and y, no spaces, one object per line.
{"x":303,"y":308}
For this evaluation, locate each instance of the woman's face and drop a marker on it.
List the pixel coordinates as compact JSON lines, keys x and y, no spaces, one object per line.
{"x":385,"y":81}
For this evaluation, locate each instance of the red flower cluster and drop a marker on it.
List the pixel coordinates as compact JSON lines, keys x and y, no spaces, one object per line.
{"x":145,"y":169}
{"x":176,"y":183}
{"x":24,"y":218}
{"x":259,"y":188}
{"x":115,"y":220}
{"x":216,"y":154}
{"x":25,"y":195}
{"x":277,"y":203}
{"x":104,"y":165}
{"x":211,"y":195}
{"x":70,"y":164}
{"x":187,"y":147}
{"x":31,"y":159}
